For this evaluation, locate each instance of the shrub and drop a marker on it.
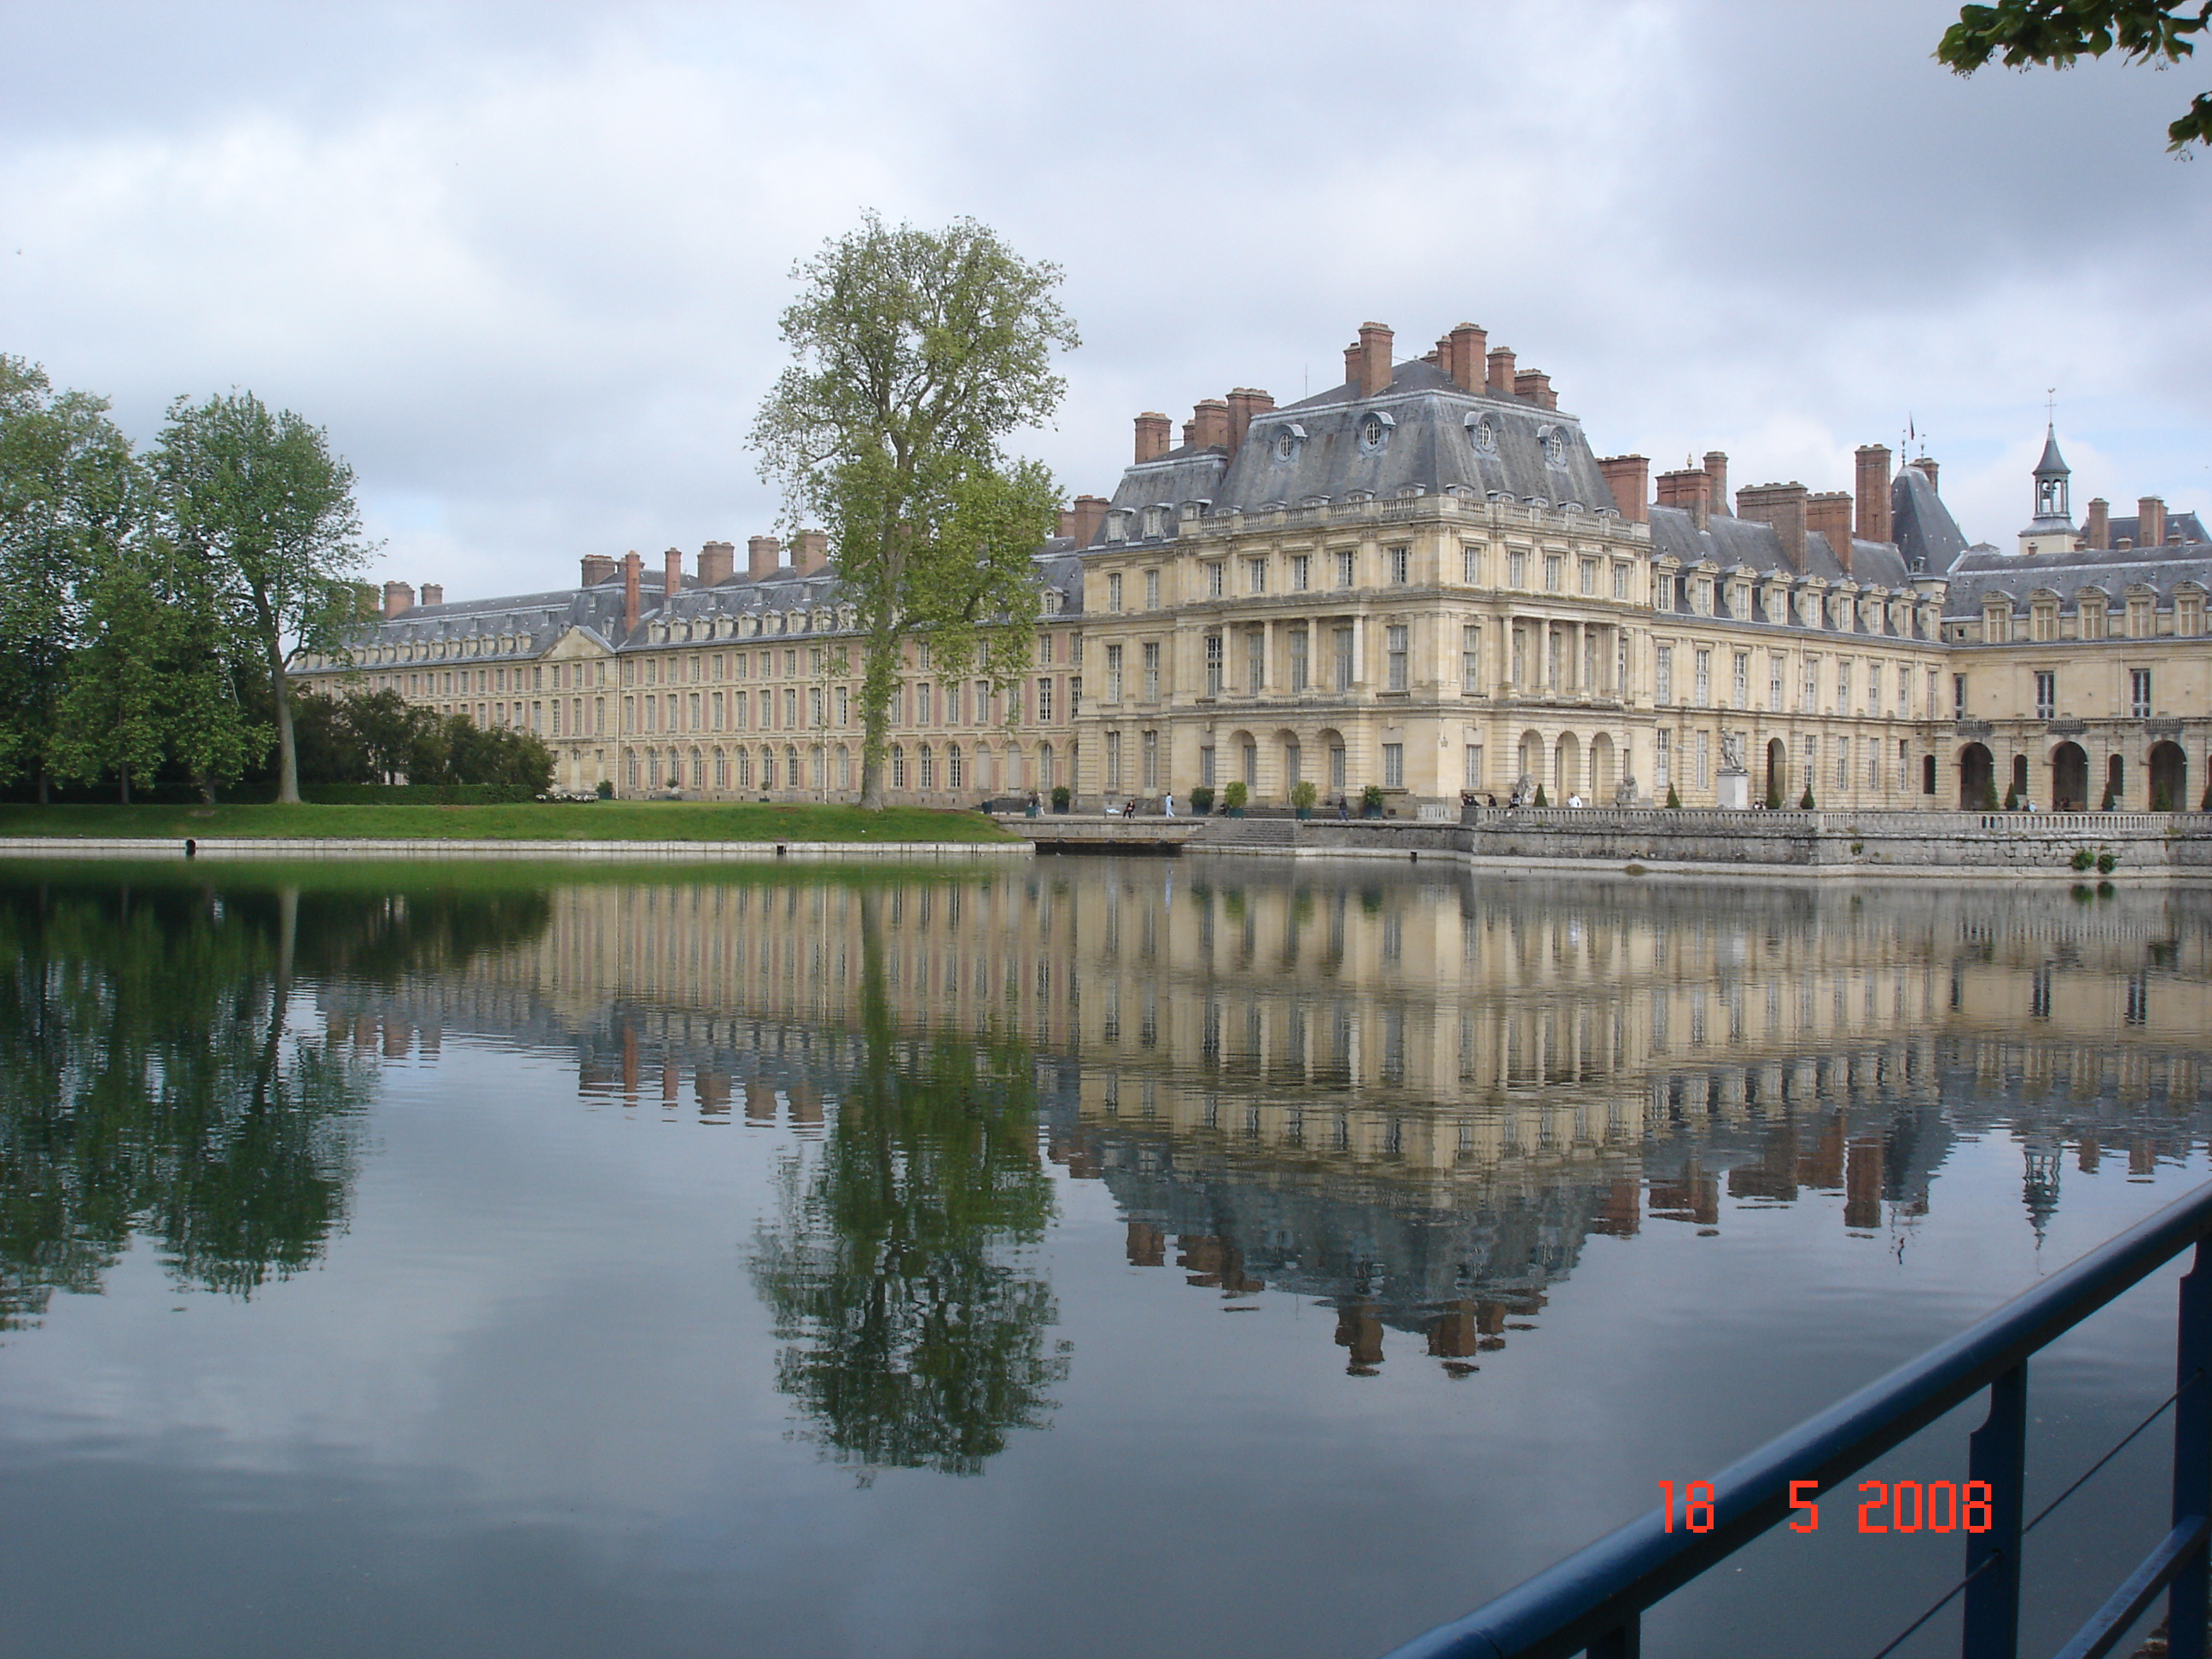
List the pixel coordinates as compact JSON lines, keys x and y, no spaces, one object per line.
{"x":1539,"y":800}
{"x":1673,"y":798}
{"x":2012,"y":800}
{"x":1370,"y":798}
{"x":1201,"y":799}
{"x":2106,"y":804}
{"x":1805,"y":800}
{"x":2082,"y":859}
{"x":2161,"y":801}
{"x":606,"y":789}
{"x":1303,"y":794}
{"x":1773,"y":796}
{"x":1235,"y":796}
{"x":2107,"y":861}
{"x":1061,"y":795}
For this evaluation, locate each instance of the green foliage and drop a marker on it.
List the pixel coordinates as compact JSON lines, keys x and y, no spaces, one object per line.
{"x":2112,"y":796}
{"x":1061,"y":796}
{"x":2107,"y":861}
{"x":1303,"y":794}
{"x":2012,"y":800}
{"x":1673,"y":798}
{"x":1370,"y":798}
{"x":262,"y":514}
{"x":2161,"y":799}
{"x":2058,"y":32}
{"x":2082,"y":859}
{"x":1773,"y":794}
{"x":1538,"y":801}
{"x":1234,"y":795}
{"x":1201,"y":799}
{"x":686,"y":821}
{"x":1805,"y":800}
{"x":915,"y":354}
{"x":606,"y":791}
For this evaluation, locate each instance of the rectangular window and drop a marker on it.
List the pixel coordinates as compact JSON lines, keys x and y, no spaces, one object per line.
{"x":1620,"y":582}
{"x":1075,"y":696}
{"x":844,"y":705}
{"x":2139,"y":693}
{"x":814,"y":696}
{"x":1471,"y":777}
{"x":1842,"y":685}
{"x":1113,"y":591}
{"x":1151,"y":671}
{"x":1044,"y":649}
{"x":1343,"y":659}
{"x":1516,"y":569}
{"x":1554,"y":572}
{"x":695,"y":723}
{"x":1470,"y":564}
{"x":924,"y":694}
{"x":2046,"y":695}
{"x":1470,"y":658}
{"x":1588,"y":574}
{"x":1401,"y":565}
{"x":719,"y":709}
{"x":1343,"y":570}
{"x":1743,"y":698}
{"x":1213,"y":579}
{"x":1662,"y":760}
{"x":1702,"y":669}
{"x":1151,"y":590}
{"x":1213,"y":668}
{"x":1812,"y":689}
{"x":1255,"y":661}
{"x":1206,"y":765}
{"x":1044,"y":700}
{"x":1148,"y":746}
{"x":1663,"y":674}
{"x":1393,"y":765}
{"x":1959,"y":696}
{"x":1113,"y":760}
{"x":738,"y":709}
{"x":1301,"y":572}
{"x":1394,"y":655}
{"x":1113,"y":673}
{"x":1255,"y":575}
{"x":791,"y":709}
{"x":1874,"y":688}
{"x":1704,"y":759}
{"x":1299,"y":675}
{"x":1843,"y":765}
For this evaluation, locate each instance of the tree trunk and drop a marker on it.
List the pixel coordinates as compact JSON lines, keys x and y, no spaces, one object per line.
{"x":287,"y":753}
{"x":123,"y":778}
{"x":207,"y":790}
{"x":42,"y":786}
{"x":874,"y":722}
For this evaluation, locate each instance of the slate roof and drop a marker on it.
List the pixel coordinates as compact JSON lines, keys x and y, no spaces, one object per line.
{"x":2190,"y":527}
{"x":1927,"y":538}
{"x":1421,"y":433}
{"x":1980,"y":574}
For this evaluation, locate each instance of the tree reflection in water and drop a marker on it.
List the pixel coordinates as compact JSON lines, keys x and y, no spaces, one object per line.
{"x":149,"y":1085}
{"x":918,"y":1331}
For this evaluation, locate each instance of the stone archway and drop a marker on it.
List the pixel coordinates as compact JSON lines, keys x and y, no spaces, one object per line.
{"x":2070,"y":779}
{"x":2169,"y":778}
{"x":1337,"y":779}
{"x":1530,"y":765}
{"x":1600,"y":771}
{"x":1293,"y":760}
{"x":1778,"y":773}
{"x":1566,"y":769}
{"x":1977,"y":778}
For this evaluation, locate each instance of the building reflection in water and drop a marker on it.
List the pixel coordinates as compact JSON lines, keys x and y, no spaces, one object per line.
{"x":1410,"y":1095}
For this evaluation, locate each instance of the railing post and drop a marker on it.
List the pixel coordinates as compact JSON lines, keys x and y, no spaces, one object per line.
{"x":1624,"y":1641}
{"x":2186,"y":1607}
{"x":1998,"y":1452}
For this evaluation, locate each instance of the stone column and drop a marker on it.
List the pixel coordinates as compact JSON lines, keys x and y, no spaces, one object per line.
{"x":1267,"y":656}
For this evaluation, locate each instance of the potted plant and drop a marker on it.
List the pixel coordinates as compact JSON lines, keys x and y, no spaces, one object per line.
{"x":1370,"y":801}
{"x":1303,"y":796}
{"x":1805,"y":800}
{"x":1673,"y":798}
{"x":606,"y":789}
{"x":2106,"y":804}
{"x":2012,"y":800}
{"x":1201,"y":800}
{"x":1233,"y":799}
{"x":1773,"y":795}
{"x":1061,"y":796}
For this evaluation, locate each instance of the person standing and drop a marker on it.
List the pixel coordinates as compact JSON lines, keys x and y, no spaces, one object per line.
{"x":1167,"y":804}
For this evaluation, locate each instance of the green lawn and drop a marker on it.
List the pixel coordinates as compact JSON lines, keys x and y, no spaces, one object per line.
{"x":535,"y":821}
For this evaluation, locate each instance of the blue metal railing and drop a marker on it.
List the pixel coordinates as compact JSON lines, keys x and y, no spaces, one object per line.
{"x":1595,"y":1599}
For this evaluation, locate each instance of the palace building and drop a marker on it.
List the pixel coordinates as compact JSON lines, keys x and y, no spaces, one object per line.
{"x":1423,"y":579}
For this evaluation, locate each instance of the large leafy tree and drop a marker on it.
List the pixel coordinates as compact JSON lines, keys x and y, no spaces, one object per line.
{"x":2058,"y":32}
{"x":71,"y":501}
{"x":263,"y":514}
{"x":118,"y":712}
{"x":916,"y":352}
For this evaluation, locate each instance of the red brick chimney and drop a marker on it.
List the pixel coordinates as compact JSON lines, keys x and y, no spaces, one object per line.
{"x":1152,"y":433}
{"x":1089,"y":512}
{"x":434,"y":592}
{"x":2096,"y":528}
{"x":1246,"y":405}
{"x":763,"y":554}
{"x":810,"y":551}
{"x":1716,"y":495}
{"x":1500,"y":364}
{"x":398,"y":597}
{"x":1928,"y":469}
{"x":1629,"y":478}
{"x":1691,"y":489}
{"x":1374,"y":358}
{"x":1463,"y":348}
{"x":633,"y":569}
{"x":1872,"y":483}
{"x":671,"y":576}
{"x":716,"y":561}
{"x":1830,"y":512}
{"x":1783,"y":506}
{"x":1534,"y":387}
{"x":598,"y":567}
{"x":2150,"y":531}
{"x":1208,"y":427}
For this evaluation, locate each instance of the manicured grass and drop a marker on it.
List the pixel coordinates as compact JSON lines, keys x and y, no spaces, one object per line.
{"x":535,"y":821}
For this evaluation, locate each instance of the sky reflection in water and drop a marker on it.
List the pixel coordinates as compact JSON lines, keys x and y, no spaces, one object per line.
{"x":575,"y":1261}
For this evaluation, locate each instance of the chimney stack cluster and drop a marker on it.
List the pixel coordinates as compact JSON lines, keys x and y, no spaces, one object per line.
{"x":1080,"y":522}
{"x":1208,"y":425}
{"x":1532,"y":386}
{"x":1246,"y":405}
{"x":598,"y":567}
{"x":2150,"y":522}
{"x":1499,"y":367}
{"x":763,"y":554}
{"x":2096,"y":528}
{"x":1716,"y":495}
{"x":1629,"y":478}
{"x":718,"y":561}
{"x":633,"y":571}
{"x":810,"y":551}
{"x":1783,"y":506}
{"x":1460,"y":354}
{"x":434,"y":592}
{"x":1691,"y":489}
{"x":1872,"y":488}
{"x":398,"y":598}
{"x":672,"y":574}
{"x":1153,"y":429}
{"x":1829,"y":512}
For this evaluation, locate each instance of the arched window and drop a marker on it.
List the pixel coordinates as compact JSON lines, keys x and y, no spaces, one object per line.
{"x":698,"y":770}
{"x":768,"y":768}
{"x":790,"y":774}
{"x":844,"y":767}
{"x":1044,"y":766}
{"x":629,"y":761}
{"x":745,"y":768}
{"x":953,"y":776}
{"x":898,"y":766}
{"x":928,"y":768}
{"x":722,"y":770}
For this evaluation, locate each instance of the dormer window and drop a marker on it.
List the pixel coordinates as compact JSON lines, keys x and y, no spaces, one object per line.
{"x":1155,"y":523}
{"x":1375,"y":429}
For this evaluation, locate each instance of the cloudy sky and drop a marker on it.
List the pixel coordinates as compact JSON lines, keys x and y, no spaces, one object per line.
{"x":525,"y":260}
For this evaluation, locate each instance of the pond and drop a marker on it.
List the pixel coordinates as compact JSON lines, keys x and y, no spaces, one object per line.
{"x":1092,"y":1258}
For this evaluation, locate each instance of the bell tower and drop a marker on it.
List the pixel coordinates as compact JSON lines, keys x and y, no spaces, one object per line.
{"x":2051,"y":531}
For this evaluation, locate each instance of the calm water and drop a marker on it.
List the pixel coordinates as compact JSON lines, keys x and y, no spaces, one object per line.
{"x":1094,"y":1259}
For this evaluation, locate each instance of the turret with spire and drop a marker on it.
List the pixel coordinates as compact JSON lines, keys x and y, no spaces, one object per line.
{"x":2051,"y":531}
